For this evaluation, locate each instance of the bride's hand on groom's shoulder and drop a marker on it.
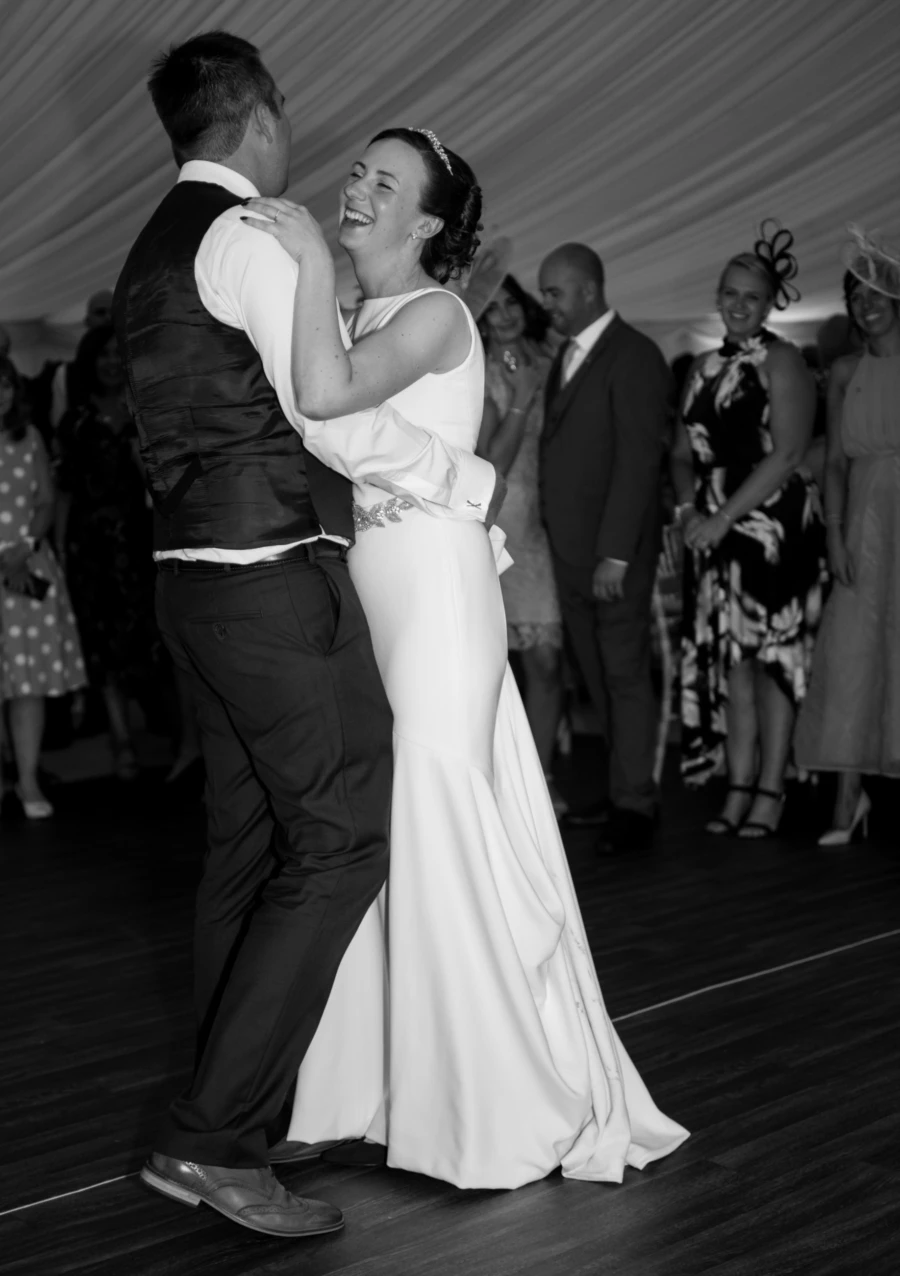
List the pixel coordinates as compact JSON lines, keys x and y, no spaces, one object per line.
{"x":291,"y":224}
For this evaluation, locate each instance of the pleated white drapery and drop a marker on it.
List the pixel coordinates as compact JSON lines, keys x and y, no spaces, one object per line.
{"x":659,"y":131}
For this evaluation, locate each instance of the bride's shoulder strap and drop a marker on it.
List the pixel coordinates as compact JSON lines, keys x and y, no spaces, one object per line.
{"x":408,"y":297}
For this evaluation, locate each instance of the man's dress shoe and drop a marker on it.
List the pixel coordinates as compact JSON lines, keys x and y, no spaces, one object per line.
{"x":253,"y":1198}
{"x":292,"y":1151}
{"x":358,"y":1152}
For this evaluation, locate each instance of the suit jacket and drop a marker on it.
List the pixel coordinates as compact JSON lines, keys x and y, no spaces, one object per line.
{"x":602,"y":447}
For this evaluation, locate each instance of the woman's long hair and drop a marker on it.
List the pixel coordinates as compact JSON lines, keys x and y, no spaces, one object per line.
{"x":537,"y":321}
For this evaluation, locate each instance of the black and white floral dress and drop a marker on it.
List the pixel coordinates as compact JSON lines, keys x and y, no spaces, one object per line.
{"x":759,"y":593}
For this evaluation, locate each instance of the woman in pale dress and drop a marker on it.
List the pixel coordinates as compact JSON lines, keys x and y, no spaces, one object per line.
{"x":517,"y":362}
{"x":850,"y":721}
{"x":466,"y":1030}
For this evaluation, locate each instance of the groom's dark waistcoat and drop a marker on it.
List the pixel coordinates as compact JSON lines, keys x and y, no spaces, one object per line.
{"x":224,"y":466}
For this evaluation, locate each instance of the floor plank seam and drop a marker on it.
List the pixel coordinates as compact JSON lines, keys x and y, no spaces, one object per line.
{"x":757,"y":974}
{"x":633,"y":1014}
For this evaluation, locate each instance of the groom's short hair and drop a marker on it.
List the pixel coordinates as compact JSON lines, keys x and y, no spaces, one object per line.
{"x":204,"y":91}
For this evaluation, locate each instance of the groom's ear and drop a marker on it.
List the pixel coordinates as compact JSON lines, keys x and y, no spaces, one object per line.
{"x":428,"y":227}
{"x":263,"y":122}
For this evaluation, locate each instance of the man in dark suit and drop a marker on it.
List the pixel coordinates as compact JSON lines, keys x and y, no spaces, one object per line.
{"x":607,"y":411}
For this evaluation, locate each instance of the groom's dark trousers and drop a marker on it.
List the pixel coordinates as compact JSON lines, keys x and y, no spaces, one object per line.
{"x":296,"y":736}
{"x":294,"y":723}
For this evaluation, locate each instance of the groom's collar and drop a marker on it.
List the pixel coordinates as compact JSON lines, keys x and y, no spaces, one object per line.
{"x":219,"y":175}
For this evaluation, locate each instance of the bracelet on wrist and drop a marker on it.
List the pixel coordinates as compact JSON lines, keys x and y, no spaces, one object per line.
{"x":682,"y":508}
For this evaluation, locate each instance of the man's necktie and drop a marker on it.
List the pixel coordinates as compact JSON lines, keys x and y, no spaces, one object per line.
{"x":569,"y":355}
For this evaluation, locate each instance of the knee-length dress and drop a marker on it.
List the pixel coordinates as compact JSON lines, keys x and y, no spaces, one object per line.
{"x":529,"y":588}
{"x":759,"y":593}
{"x":850,"y":720}
{"x":40,"y":654}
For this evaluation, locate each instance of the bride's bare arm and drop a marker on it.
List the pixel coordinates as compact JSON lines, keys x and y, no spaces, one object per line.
{"x":429,"y":334}
{"x":246,"y":281}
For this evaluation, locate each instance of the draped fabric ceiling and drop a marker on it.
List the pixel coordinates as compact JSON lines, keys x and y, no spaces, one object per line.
{"x":659,"y":131}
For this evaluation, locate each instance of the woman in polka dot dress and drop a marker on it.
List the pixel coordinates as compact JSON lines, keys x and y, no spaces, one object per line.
{"x":40,"y":654}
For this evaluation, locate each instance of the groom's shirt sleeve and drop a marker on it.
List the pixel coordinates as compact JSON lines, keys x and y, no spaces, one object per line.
{"x":246,"y":280}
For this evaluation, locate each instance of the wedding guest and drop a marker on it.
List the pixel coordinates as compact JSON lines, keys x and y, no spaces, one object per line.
{"x":105,"y":531}
{"x":835,"y":338}
{"x":40,"y":655}
{"x":753,"y":579}
{"x":518,"y":357}
{"x":681,"y":366}
{"x":66,"y":393}
{"x":606,"y":426}
{"x":850,"y":721}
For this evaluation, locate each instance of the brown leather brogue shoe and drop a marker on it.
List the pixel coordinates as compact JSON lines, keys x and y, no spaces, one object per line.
{"x":253,"y":1198}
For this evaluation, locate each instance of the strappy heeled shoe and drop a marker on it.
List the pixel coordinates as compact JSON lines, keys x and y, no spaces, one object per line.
{"x":756,"y":830}
{"x":843,"y":837}
{"x":721,"y":826}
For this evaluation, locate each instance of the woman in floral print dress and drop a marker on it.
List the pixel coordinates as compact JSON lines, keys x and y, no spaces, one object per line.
{"x":755,"y":566}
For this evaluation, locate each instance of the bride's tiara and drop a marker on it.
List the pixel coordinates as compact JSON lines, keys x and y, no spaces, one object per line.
{"x":435,"y":146}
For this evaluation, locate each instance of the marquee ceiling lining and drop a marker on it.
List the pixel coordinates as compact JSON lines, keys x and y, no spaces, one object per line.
{"x":659,"y":131}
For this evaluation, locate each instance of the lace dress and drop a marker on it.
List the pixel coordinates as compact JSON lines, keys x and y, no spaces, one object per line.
{"x":851,"y":718}
{"x":528,"y":587}
{"x":759,"y":593}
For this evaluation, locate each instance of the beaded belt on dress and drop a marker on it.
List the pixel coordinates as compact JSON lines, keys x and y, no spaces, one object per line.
{"x":379,"y":515}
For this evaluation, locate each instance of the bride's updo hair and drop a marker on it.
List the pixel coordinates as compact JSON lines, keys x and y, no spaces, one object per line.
{"x":450,"y":193}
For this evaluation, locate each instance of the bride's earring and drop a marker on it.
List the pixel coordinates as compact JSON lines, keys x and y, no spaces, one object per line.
{"x":414,"y":235}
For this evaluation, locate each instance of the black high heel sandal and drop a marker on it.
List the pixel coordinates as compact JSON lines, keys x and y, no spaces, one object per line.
{"x":755,"y":830}
{"x":722,"y":827}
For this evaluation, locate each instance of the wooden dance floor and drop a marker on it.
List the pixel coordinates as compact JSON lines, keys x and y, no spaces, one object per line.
{"x":757,"y":988}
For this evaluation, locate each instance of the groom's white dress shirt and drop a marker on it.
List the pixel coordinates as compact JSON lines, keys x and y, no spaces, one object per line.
{"x":247,"y":280}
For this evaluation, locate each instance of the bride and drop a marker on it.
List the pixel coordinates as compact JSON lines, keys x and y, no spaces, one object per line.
{"x":466,"y":1030}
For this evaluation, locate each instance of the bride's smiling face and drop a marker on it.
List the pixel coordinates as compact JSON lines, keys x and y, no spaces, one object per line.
{"x":380,"y":202}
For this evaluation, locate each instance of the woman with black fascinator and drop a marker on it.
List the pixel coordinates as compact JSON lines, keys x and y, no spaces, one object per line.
{"x":850,"y":722}
{"x":755,"y":570}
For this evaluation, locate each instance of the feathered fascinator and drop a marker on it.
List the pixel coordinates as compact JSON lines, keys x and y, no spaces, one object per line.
{"x":773,"y":249}
{"x":872,"y":262}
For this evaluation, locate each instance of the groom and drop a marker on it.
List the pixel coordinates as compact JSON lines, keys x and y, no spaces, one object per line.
{"x":253,"y":521}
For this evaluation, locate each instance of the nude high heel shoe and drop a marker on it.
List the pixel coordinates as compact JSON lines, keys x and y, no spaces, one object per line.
{"x":843,"y":837}
{"x":39,"y":809}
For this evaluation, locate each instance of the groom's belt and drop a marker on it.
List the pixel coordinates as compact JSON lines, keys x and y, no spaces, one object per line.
{"x":306,"y":553}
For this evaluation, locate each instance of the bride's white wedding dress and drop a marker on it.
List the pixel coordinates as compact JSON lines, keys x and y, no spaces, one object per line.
{"x":466,"y":1029}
